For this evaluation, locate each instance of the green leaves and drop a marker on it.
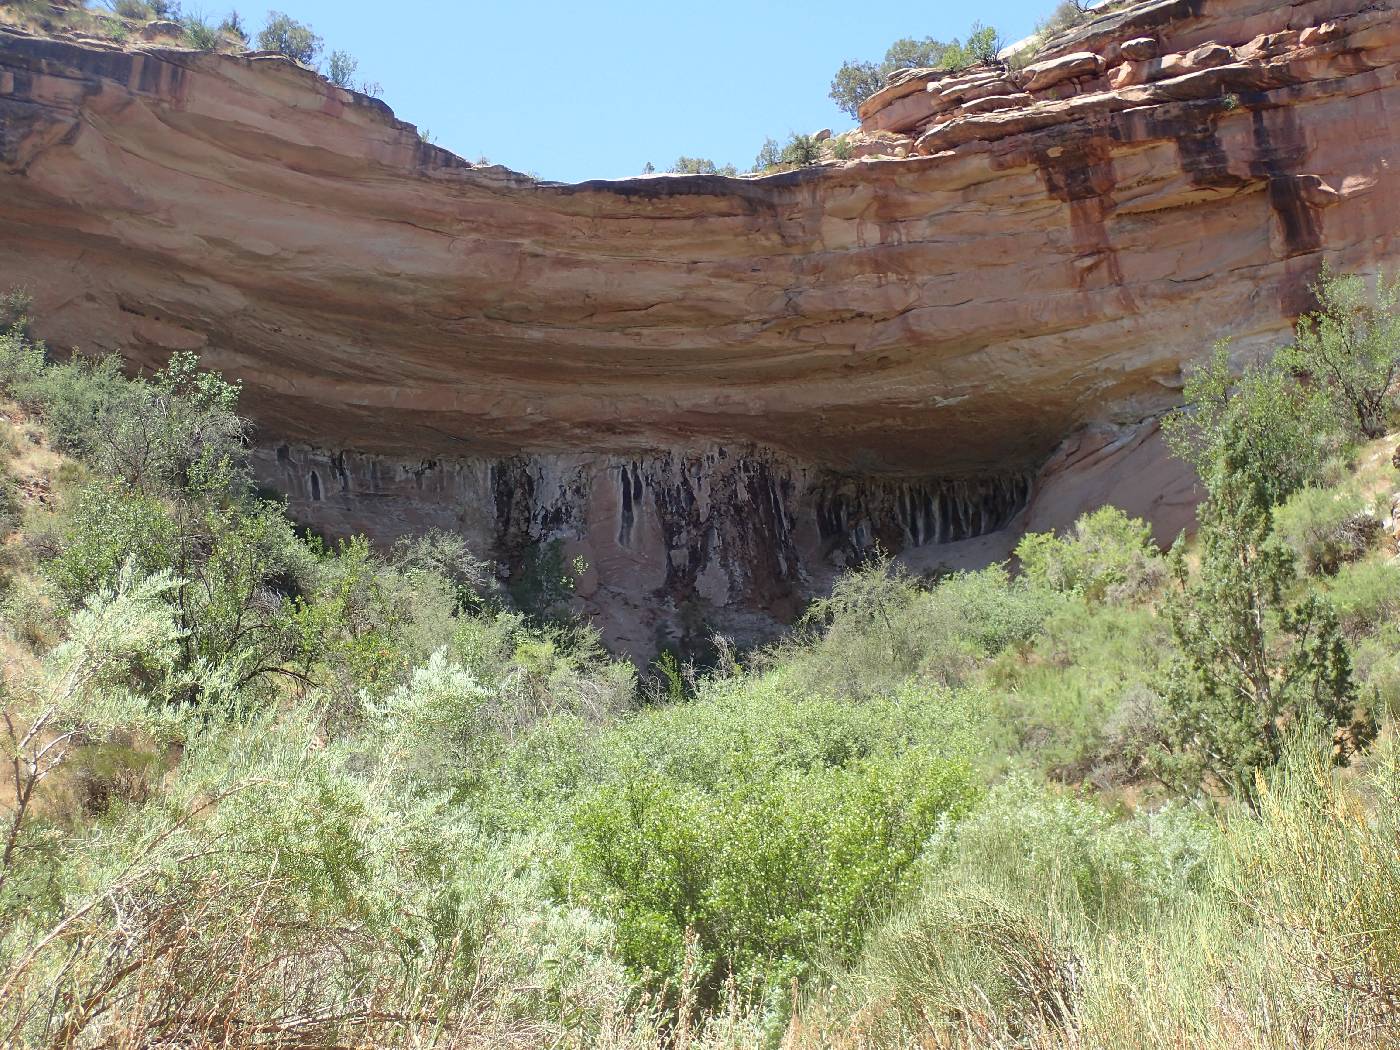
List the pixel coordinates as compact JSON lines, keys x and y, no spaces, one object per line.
{"x":768,"y":830}
{"x":1255,"y":438}
{"x":1251,"y":660}
{"x":1106,"y":556}
{"x":855,"y":81}
{"x":289,"y":37}
{"x":1351,"y":347}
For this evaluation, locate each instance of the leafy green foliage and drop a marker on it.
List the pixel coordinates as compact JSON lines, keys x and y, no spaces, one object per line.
{"x":1351,"y":346}
{"x":136,"y":9}
{"x":1258,"y":437}
{"x":14,"y":313}
{"x":1081,"y":705}
{"x":1066,"y":15}
{"x":701,"y":166}
{"x":1366,"y":595}
{"x":1251,"y":658}
{"x":233,"y":26}
{"x":234,"y":624}
{"x":853,"y":83}
{"x":801,"y":151}
{"x":856,"y":81}
{"x":546,"y":580}
{"x":767,"y":829}
{"x":879,"y":626}
{"x":1106,"y":557}
{"x":1325,"y":528}
{"x":1009,"y":898}
{"x":1251,"y":661}
{"x":200,"y":33}
{"x":287,"y":36}
{"x":983,"y":44}
{"x":340,"y":68}
{"x":75,"y":397}
{"x":447,"y":556}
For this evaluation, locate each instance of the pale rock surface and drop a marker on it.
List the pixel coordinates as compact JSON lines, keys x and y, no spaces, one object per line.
{"x":1139,"y":49}
{"x":1042,"y":75}
{"x":992,"y":103}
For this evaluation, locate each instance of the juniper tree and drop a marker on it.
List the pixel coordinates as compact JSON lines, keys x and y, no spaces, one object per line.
{"x":1251,"y":660}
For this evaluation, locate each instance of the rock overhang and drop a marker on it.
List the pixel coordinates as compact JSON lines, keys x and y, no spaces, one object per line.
{"x":898,"y":324}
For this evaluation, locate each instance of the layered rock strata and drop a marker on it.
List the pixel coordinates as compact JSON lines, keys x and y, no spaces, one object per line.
{"x":717,"y":390}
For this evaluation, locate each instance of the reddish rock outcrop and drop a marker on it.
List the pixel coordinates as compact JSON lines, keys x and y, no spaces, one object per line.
{"x":717,"y":390}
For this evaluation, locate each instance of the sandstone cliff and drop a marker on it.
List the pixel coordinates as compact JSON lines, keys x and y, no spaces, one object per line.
{"x":717,"y":390}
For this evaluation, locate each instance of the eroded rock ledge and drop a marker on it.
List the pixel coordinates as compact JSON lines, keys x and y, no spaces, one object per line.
{"x":718,"y":390}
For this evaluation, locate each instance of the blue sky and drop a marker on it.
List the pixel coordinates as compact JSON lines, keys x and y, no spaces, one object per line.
{"x":573,"y":91}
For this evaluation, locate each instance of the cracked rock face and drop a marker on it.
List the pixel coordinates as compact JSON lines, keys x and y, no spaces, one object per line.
{"x":718,"y":391}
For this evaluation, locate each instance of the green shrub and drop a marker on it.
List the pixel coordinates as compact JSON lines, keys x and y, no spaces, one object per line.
{"x":1079,"y":704}
{"x":1319,"y":875}
{"x":15,"y":306}
{"x":134,"y":9}
{"x":74,"y":397}
{"x":317,"y":902}
{"x":1377,"y":661}
{"x":11,"y":509}
{"x":447,"y":556}
{"x":233,"y":26}
{"x":1257,"y":437}
{"x":770,"y":155}
{"x":105,"y":526}
{"x":287,"y":36}
{"x":340,"y":68}
{"x":1013,"y":898}
{"x":856,"y":81}
{"x":546,"y":580}
{"x":1326,"y":528}
{"x":229,"y":563}
{"x":701,"y":166}
{"x":1251,"y":657}
{"x":1066,"y":15}
{"x":880,"y":626}
{"x":201,"y":34}
{"x":801,"y":151}
{"x":1351,"y":346}
{"x":767,"y":829}
{"x":1366,"y":595}
{"x":853,"y":83}
{"x":983,"y":45}
{"x":1106,"y":557}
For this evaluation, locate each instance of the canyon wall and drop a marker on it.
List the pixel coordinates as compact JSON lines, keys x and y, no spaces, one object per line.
{"x":718,"y":391}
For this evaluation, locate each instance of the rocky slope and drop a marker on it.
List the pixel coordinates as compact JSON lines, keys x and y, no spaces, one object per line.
{"x":717,"y":390}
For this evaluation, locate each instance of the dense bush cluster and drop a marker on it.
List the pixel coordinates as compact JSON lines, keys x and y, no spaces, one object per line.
{"x":266,"y":789}
{"x":856,"y":81}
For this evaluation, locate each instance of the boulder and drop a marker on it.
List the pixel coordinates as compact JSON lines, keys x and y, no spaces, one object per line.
{"x":1042,"y":75}
{"x":159,"y":28}
{"x":1139,"y":49}
{"x":1208,"y":56}
{"x":980,"y":88}
{"x":992,"y":103}
{"x":1325,"y":33}
{"x":899,"y":84}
